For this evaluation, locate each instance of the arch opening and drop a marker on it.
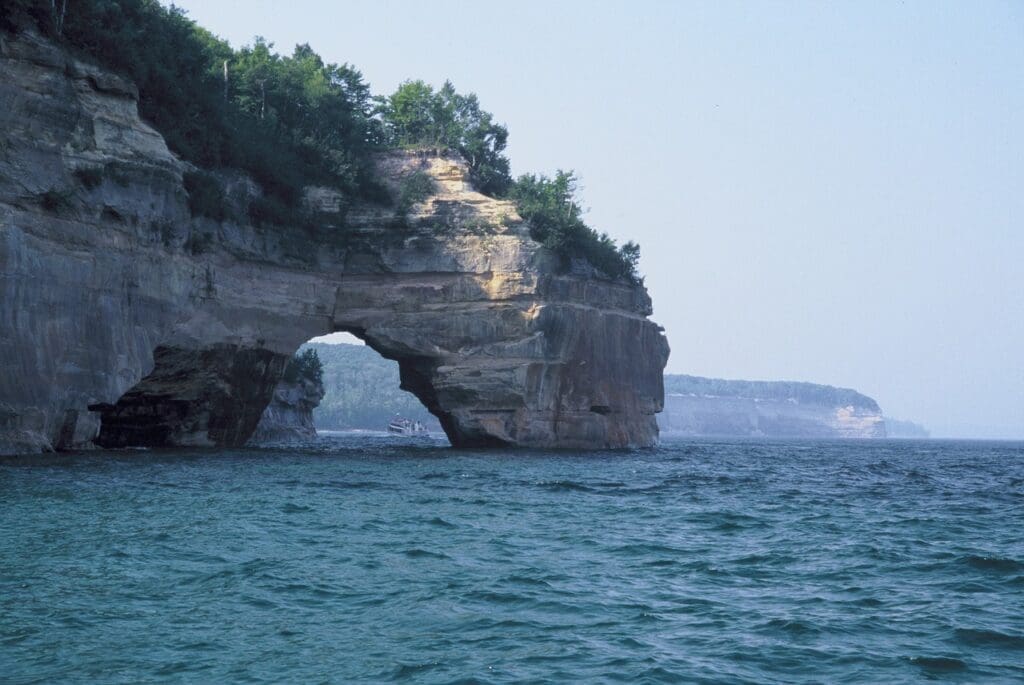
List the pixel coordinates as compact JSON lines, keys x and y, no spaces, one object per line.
{"x":349,"y":388}
{"x":231,"y":395}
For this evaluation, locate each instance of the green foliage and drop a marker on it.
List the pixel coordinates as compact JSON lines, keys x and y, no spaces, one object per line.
{"x":304,"y":366}
{"x":206,"y":198}
{"x":361,"y":390}
{"x":322,"y":112}
{"x":17,"y":13}
{"x":287,"y":121}
{"x":478,"y":227}
{"x":550,"y":206}
{"x":413,"y":188}
{"x":417,"y":115}
{"x":804,"y":393}
{"x":205,"y":195}
{"x":293,"y":120}
{"x":629,"y":253}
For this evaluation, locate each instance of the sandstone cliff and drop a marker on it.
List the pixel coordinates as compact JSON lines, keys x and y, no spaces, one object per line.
{"x":289,"y":416}
{"x":696,"y":406}
{"x":125,"y":320}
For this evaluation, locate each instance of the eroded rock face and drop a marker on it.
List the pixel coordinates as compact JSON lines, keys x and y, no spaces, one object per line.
{"x":212,"y":396}
{"x":175,"y":329}
{"x":289,"y":416}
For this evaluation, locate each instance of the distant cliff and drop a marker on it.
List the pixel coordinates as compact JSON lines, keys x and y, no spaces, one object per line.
{"x":895,"y":428}
{"x":362,"y":392}
{"x":698,"y":406}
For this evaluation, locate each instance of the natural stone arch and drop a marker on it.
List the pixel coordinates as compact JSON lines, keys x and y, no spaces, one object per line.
{"x":171,"y":329}
{"x":494,"y":372}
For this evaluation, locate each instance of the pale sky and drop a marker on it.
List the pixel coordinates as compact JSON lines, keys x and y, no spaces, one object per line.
{"x":825,"y":192}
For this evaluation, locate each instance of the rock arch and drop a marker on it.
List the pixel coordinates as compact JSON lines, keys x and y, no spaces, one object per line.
{"x":120,"y":308}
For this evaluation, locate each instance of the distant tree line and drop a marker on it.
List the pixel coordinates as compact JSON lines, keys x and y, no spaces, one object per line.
{"x":362,"y":390}
{"x":293,"y":120}
{"x":304,"y":365}
{"x":804,"y":393}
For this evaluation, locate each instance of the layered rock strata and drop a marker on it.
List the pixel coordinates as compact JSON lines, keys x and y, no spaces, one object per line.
{"x":289,"y":416}
{"x":696,"y":406}
{"x":128,"y":321}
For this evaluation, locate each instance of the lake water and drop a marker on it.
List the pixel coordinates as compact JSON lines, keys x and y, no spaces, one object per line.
{"x":364,"y":558}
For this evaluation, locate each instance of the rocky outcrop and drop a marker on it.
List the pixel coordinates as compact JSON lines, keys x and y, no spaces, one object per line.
{"x":289,"y":416}
{"x":696,"y":406}
{"x":127,"y":320}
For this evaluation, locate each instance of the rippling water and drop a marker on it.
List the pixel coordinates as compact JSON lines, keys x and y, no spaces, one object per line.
{"x":359,"y":559}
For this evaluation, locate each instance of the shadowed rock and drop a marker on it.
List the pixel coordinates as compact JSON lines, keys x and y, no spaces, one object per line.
{"x":289,"y":416}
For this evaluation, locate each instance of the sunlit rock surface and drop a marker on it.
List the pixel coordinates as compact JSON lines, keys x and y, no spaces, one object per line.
{"x":117,"y":306}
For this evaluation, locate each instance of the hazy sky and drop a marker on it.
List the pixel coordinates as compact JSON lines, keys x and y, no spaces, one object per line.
{"x":829,"y":192}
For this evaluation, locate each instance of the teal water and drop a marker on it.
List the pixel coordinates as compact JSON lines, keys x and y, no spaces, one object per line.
{"x":356,"y":559}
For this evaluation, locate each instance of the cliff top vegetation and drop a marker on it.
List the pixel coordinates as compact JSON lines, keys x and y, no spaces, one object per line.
{"x":305,"y":365}
{"x":805,"y":393}
{"x":294,"y":120}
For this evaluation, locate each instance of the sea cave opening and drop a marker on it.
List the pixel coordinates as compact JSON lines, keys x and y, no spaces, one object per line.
{"x":359,"y":391}
{"x":229,"y":396}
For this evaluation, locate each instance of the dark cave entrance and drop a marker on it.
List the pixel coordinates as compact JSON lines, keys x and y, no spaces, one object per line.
{"x":231,"y":395}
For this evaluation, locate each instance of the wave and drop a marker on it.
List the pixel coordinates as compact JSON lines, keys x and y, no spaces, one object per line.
{"x":939,"y":664}
{"x":417,"y":553}
{"x":730,"y":565}
{"x":441,"y":523}
{"x":982,"y":637}
{"x":1000,"y":564}
{"x":790,"y":627}
{"x":517,"y":579}
{"x":493,"y":597}
{"x":406,"y":671}
{"x":641,"y":549}
{"x":564,"y":486}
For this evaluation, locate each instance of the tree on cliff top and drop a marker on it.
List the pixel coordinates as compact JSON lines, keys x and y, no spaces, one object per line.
{"x":292,"y":121}
{"x":304,"y":365}
{"x":416,"y":115}
{"x":551,"y":207}
{"x":287,"y":121}
{"x":321,"y":109}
